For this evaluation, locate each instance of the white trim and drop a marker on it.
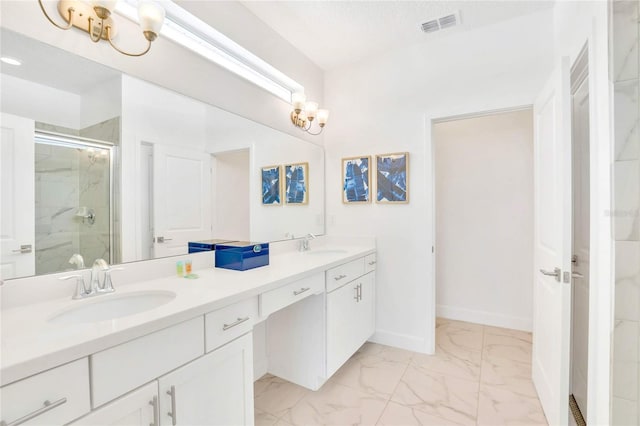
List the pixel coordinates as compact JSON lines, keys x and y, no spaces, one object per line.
{"x":601,"y":283}
{"x":189,"y":31}
{"x":484,"y":317}
{"x":403,"y":341}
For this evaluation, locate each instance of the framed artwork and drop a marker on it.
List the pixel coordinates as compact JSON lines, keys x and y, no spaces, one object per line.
{"x":271,"y":185}
{"x":297,"y":183}
{"x":392,"y":178}
{"x":356,"y":180}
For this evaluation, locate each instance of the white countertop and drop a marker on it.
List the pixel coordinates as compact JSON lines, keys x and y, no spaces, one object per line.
{"x":31,"y":344}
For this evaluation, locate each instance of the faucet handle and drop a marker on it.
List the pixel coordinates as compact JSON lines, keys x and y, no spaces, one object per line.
{"x":81,"y":289}
{"x":108,"y":284}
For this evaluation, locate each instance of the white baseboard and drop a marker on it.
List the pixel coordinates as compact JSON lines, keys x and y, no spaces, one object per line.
{"x":402,"y":341}
{"x":483,"y":317}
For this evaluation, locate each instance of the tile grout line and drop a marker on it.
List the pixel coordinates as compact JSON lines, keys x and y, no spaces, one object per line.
{"x":484,"y":330}
{"x":394,"y":391}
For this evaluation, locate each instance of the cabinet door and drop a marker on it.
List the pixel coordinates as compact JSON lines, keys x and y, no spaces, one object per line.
{"x":138,"y":408}
{"x":366,"y":306}
{"x":350,"y":320}
{"x":216,"y":389}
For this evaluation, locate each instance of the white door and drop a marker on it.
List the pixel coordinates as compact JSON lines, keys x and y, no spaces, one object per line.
{"x":17,"y":197}
{"x":216,"y":389}
{"x":181,"y":199}
{"x":581,"y":235}
{"x":552,"y":251}
{"x":138,"y":408}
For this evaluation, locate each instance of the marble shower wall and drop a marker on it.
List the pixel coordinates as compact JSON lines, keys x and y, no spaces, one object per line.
{"x":625,"y":75}
{"x":94,"y":192}
{"x":56,"y":199}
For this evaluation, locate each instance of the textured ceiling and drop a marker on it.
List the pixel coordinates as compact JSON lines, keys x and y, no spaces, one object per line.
{"x":335,"y":33}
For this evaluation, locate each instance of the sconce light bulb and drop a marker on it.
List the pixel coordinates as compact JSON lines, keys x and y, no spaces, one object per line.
{"x":151,"y":17}
{"x":297,"y":100}
{"x":323,"y":117}
{"x":311,"y":108}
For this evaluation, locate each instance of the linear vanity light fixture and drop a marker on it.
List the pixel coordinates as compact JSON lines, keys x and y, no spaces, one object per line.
{"x":304,"y":112}
{"x":94,"y":17}
{"x":189,"y":31}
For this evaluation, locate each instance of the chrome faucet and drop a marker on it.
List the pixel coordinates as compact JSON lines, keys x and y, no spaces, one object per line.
{"x":95,"y":286}
{"x":304,"y":242}
{"x":100,"y":265}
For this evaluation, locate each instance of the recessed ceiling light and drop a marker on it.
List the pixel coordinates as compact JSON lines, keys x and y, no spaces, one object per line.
{"x":11,"y":61}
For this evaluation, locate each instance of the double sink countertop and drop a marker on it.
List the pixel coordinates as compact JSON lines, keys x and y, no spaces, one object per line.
{"x":31,"y":343}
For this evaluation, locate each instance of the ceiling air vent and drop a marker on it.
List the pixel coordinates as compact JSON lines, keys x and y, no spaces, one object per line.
{"x":441,"y":23}
{"x":430,"y":26}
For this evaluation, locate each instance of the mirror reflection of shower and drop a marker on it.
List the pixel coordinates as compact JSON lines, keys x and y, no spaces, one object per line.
{"x":73,"y":201}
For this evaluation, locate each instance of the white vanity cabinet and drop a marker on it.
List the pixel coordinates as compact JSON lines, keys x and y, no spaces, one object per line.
{"x":216,"y":389}
{"x":308,"y":341}
{"x":138,"y":408}
{"x":54,"y":397}
{"x":350,"y":319}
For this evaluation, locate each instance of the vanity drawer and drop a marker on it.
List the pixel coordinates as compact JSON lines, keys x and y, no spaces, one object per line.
{"x":370,"y":263}
{"x":340,"y":275}
{"x":277,"y":299}
{"x":66,"y":388}
{"x":227,"y":323}
{"x":122,"y":368}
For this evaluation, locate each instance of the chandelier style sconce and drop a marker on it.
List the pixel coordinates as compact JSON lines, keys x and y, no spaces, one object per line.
{"x":304,"y":113}
{"x":94,"y":17}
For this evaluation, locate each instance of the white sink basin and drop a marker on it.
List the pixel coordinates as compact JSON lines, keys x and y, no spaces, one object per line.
{"x":326,"y":251}
{"x":108,"y":307}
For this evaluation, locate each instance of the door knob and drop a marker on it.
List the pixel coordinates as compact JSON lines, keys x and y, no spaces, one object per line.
{"x":576,"y":275}
{"x":162,"y":239}
{"x":555,"y":273}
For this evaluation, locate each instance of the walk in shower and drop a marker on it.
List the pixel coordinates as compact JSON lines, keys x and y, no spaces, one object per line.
{"x":73,"y":201}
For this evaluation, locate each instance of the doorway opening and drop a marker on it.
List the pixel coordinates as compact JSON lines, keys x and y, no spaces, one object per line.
{"x":484,"y":218}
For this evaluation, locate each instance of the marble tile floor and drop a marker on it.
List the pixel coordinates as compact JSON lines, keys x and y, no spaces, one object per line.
{"x":479,"y":375}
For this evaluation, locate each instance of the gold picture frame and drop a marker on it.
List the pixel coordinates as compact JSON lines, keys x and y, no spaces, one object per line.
{"x":392,"y":178}
{"x":356,"y":180}
{"x":271,"y":178}
{"x":296,"y":184}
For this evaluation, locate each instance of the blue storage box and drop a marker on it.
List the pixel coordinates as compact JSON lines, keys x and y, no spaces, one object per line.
{"x":242,"y":255}
{"x":205,"y":245}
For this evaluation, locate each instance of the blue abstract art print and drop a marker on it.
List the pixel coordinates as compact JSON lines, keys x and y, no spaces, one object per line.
{"x":271,"y":184}
{"x":297,"y":183}
{"x":392,"y":178}
{"x":356,"y":178}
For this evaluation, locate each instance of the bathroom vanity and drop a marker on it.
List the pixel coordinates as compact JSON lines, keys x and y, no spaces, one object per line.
{"x":189,"y":358}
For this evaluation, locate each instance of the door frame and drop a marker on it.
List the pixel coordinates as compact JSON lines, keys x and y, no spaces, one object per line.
{"x":601,"y":242}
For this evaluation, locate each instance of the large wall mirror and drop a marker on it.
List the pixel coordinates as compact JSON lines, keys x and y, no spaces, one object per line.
{"x":98,"y":164}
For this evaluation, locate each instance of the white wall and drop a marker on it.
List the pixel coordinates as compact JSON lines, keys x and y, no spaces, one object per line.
{"x":230,"y":189}
{"x":172,"y":66}
{"x":484,"y":219}
{"x":380,"y":105}
{"x":57,"y":107}
{"x":39,"y":102}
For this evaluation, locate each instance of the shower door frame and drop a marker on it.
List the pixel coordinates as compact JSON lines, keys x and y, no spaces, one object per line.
{"x":72,"y":141}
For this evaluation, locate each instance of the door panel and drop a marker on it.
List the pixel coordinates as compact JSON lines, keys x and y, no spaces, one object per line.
{"x":181,"y":198}
{"x":552,"y":237}
{"x":17,"y":196}
{"x":581,"y":238}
